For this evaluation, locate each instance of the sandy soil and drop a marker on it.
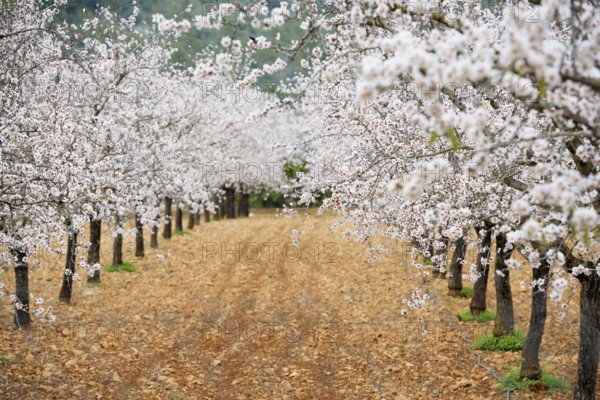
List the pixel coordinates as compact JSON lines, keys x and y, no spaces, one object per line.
{"x":216,"y":319}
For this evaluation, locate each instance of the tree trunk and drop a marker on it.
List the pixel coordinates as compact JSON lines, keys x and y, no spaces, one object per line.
{"x":94,"y":251}
{"x":154,"y":237}
{"x":22,"y":317}
{"x":118,"y":243}
{"x":478,"y":301}
{"x":530,"y":368}
{"x":439,"y":269}
{"x":505,"y":317}
{"x":230,"y":203}
{"x":139,"y":236}
{"x":455,"y":281}
{"x":66,"y":291}
{"x":168,"y":214}
{"x":191,"y":219}
{"x":217,"y":203}
{"x":206,"y":215}
{"x":198,"y":216}
{"x":589,"y":338}
{"x":179,"y":219}
{"x":244,"y":205}
{"x":222,"y":208}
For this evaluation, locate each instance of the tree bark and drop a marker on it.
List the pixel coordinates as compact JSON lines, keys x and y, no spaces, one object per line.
{"x":167,"y":232}
{"x":505,"y":317}
{"x":230,"y":203}
{"x":206,"y":215}
{"x":222,"y":207}
{"x":198,"y":217}
{"x":154,"y":237}
{"x":179,"y":219}
{"x":478,"y":301}
{"x":244,"y":205}
{"x":218,"y":207}
{"x":530,"y":368}
{"x":118,"y":243}
{"x":455,"y":281}
{"x":94,"y":251}
{"x":139,"y":236}
{"x":191,"y":219}
{"x":439,"y":270}
{"x":22,"y":317}
{"x":66,"y":291}
{"x":589,"y":338}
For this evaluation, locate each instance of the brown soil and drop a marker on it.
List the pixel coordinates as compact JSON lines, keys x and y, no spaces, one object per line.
{"x":326,"y":326}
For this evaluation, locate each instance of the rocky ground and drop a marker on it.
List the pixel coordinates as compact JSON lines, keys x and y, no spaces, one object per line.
{"x":201,"y":324}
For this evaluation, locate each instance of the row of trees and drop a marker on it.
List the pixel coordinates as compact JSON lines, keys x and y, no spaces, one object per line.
{"x":472,"y":126}
{"x":441,"y":120}
{"x":432,"y":123}
{"x":98,"y":125}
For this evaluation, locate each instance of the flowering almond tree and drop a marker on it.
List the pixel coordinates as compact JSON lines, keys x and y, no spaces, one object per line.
{"x":448,"y":119}
{"x":497,"y":111}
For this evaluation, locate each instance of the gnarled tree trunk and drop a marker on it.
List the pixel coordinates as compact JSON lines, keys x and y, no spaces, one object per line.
{"x":66,"y":290}
{"x":455,"y":281}
{"x":191,"y":219}
{"x":179,"y":219}
{"x":118,"y":243}
{"x":198,"y":217}
{"x":589,"y":338}
{"x":505,"y":317}
{"x":222,"y":207}
{"x":478,"y":301}
{"x":244,"y":204}
{"x":22,"y":317}
{"x":230,"y":203}
{"x":218,"y":207}
{"x":530,"y":368}
{"x":94,"y":250}
{"x":167,"y":232}
{"x":139,"y":236}
{"x":154,"y":237}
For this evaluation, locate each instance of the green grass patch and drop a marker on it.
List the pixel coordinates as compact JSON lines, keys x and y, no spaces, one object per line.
{"x":428,"y":263}
{"x":466,"y":292}
{"x":8,"y":360}
{"x":511,"y":381}
{"x":126,"y":266}
{"x":181,"y":233}
{"x":510,"y":342}
{"x":484,"y":316}
{"x":186,"y":353}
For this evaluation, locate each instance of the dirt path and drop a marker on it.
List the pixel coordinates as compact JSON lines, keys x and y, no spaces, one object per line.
{"x":202,"y":324}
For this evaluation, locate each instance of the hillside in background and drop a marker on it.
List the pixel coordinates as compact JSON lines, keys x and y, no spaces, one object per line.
{"x":190,"y":44}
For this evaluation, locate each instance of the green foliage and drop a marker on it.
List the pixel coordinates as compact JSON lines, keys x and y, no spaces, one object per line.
{"x":292,"y":168}
{"x":511,"y":381}
{"x":451,"y":135}
{"x":466,"y":292}
{"x":195,"y":42}
{"x":433,"y":138}
{"x":126,"y":266}
{"x":510,"y":342}
{"x":484,"y":316}
{"x":267,"y":199}
{"x":181,"y":233}
{"x":186,"y":353}
{"x":428,"y":263}
{"x":543,"y":88}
